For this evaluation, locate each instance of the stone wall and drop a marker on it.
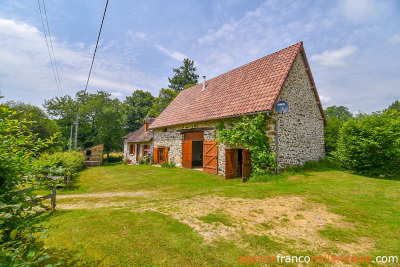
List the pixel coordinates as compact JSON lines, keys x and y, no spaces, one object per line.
{"x":301,"y":128}
{"x":93,"y":155}
{"x":138,"y":149}
{"x":172,"y":138}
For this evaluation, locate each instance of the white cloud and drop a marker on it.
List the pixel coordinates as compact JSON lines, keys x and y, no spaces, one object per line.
{"x":27,"y":72}
{"x":359,"y":11}
{"x":325,"y":99}
{"x":395,"y":39}
{"x":334,"y":57}
{"x":175,"y":55}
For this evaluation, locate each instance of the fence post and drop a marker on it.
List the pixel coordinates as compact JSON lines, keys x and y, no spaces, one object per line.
{"x":53,"y":197}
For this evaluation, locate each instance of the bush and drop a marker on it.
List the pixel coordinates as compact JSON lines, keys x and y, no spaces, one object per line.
{"x":325,"y":164}
{"x":74,"y":161}
{"x":18,"y":235}
{"x":371,"y":144}
{"x":113,"y":157}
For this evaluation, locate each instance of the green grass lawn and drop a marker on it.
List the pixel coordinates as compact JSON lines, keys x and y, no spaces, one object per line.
{"x":121,"y":215}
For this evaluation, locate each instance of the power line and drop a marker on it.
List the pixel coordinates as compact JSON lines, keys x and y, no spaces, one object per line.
{"x":87,"y":82}
{"x":97,"y":43}
{"x":51,"y":44}
{"x":48,"y":49}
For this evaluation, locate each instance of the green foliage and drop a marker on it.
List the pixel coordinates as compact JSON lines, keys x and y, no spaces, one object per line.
{"x":137,"y":107}
{"x":73,"y":162}
{"x":184,"y":75}
{"x":168,"y":165}
{"x":249,"y":133}
{"x":42,"y":127}
{"x":114,"y":157}
{"x":341,"y":113}
{"x":100,"y":119}
{"x":371,"y":144}
{"x":395,"y":105}
{"x":63,"y":111}
{"x":335,"y":116}
{"x":18,"y":149}
{"x":164,"y":98}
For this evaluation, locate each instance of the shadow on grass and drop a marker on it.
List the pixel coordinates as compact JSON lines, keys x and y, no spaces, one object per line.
{"x":390,"y":178}
{"x":64,"y":257}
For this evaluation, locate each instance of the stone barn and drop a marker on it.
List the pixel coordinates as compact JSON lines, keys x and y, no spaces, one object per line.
{"x":93,"y":155}
{"x":138,"y":142}
{"x":185,"y":134}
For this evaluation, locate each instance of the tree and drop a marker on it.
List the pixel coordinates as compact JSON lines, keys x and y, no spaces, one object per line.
{"x":165,"y":97}
{"x":395,"y":105}
{"x":100,"y":118}
{"x":63,"y":111}
{"x":371,"y":144}
{"x":335,"y":116}
{"x":184,"y":75}
{"x":42,"y":126}
{"x":136,"y":108}
{"x":105,"y":117}
{"x":341,"y":113}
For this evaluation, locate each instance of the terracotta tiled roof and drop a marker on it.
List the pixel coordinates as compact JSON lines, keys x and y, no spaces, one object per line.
{"x":139,"y":136}
{"x":247,"y":89}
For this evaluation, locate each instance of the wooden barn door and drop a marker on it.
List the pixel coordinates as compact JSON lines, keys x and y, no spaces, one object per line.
{"x":210,"y":157}
{"x":246,"y":167}
{"x":229,"y":163}
{"x":187,"y":153}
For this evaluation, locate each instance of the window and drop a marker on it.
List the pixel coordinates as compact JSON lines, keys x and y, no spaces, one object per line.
{"x":161,"y":152}
{"x":132,"y":149}
{"x":88,"y":152}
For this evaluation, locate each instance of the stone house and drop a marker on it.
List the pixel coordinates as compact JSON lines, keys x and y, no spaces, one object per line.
{"x":185,"y":131}
{"x":135,"y":143}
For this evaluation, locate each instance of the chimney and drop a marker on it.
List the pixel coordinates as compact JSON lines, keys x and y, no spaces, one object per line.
{"x":204,"y":83}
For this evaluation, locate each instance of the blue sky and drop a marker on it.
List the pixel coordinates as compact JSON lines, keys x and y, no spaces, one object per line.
{"x":353,"y":46}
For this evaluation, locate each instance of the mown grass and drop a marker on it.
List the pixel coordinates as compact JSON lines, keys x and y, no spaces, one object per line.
{"x":129,"y":237}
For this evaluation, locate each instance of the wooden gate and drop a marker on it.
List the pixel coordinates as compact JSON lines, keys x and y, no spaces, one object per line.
{"x":246,"y":169}
{"x":187,"y":153}
{"x":229,"y":163}
{"x":210,"y":157}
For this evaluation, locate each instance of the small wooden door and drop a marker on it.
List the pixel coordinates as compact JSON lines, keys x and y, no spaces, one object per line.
{"x":229,"y":163}
{"x":210,"y":157}
{"x":137,"y":152}
{"x":246,"y":166}
{"x":187,"y":153}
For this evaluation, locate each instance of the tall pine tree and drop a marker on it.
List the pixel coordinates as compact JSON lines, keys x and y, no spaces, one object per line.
{"x":184,"y":75}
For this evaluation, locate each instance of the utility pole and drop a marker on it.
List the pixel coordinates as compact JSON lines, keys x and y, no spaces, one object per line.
{"x":76,"y":126}
{"x":70,"y":138}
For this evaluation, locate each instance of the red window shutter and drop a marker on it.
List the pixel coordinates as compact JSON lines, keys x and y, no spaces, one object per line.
{"x":166,"y":154}
{"x":155,"y":156}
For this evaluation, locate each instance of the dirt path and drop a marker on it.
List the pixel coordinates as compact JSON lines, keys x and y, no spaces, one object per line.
{"x":288,"y":219}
